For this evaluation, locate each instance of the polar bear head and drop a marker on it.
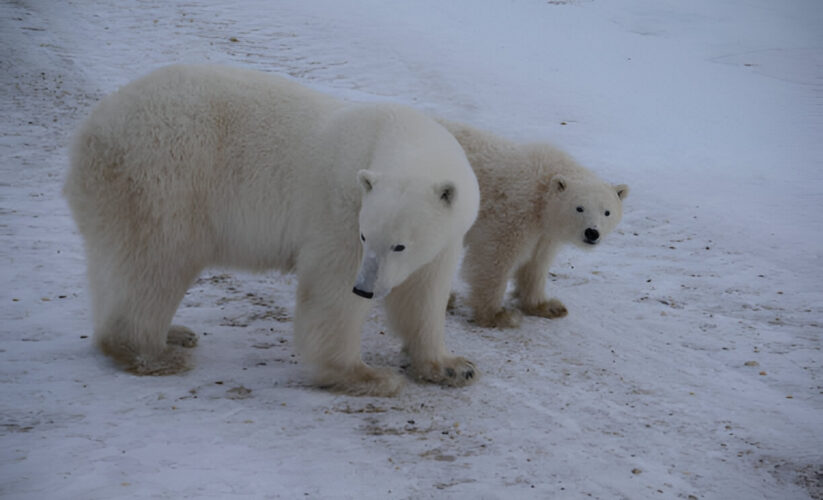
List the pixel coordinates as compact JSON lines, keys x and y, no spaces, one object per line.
{"x":583,"y":211}
{"x":404,"y":223}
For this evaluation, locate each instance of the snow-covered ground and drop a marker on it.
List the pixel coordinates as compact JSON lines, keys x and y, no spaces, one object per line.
{"x":689,"y":365}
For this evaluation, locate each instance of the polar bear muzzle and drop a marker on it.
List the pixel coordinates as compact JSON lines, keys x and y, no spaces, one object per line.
{"x":362,"y":293}
{"x":592,"y":235}
{"x":365,"y":284}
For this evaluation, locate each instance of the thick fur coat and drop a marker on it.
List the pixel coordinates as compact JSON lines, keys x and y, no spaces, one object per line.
{"x":198,"y":166}
{"x":534,"y":199}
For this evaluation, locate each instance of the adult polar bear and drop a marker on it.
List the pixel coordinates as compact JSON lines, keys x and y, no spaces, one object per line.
{"x":196,"y":166}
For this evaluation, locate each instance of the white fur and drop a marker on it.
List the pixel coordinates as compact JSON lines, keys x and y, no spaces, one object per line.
{"x":530,"y":196}
{"x":196,"y":166}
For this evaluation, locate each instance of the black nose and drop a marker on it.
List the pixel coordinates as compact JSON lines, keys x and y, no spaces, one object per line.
{"x":592,"y":234}
{"x":365,"y":295}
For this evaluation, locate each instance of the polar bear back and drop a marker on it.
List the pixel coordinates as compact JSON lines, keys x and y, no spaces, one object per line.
{"x":219,"y":155}
{"x":202,"y":151}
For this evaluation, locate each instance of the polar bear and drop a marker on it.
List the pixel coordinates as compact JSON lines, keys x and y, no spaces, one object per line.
{"x":534,"y":199}
{"x":196,"y":166}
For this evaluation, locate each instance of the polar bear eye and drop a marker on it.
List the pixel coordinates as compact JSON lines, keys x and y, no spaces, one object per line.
{"x":608,"y":213}
{"x":580,"y":209}
{"x":399,"y":248}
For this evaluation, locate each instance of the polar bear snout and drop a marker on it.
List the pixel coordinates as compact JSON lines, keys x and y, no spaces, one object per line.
{"x":363,"y":293}
{"x":592,"y":235}
{"x":366,"y":283}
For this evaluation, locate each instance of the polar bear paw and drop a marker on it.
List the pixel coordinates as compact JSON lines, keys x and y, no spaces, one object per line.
{"x":551,"y":309}
{"x":503,"y":318}
{"x":182,"y":336}
{"x":171,"y":361}
{"x":452,"y":303}
{"x":361,"y":381}
{"x":453,"y":371}
{"x":168,"y":361}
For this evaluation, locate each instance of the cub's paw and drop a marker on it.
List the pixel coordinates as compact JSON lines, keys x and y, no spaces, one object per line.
{"x":551,"y":309}
{"x":454,"y":371}
{"x":503,"y":318}
{"x":361,"y":381}
{"x":452,"y":302}
{"x":182,"y":336}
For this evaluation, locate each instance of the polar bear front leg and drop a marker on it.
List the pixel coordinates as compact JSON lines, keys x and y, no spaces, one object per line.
{"x":417,"y":312}
{"x":530,"y":284}
{"x":328,"y":321}
{"x":487,"y":267}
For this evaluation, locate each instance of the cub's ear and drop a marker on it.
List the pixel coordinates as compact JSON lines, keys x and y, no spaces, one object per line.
{"x":559,"y":184}
{"x":446,"y":193}
{"x":367,"y":178}
{"x":622,"y":191}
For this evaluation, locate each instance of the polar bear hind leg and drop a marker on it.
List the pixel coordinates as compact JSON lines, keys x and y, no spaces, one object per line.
{"x":133,"y":306}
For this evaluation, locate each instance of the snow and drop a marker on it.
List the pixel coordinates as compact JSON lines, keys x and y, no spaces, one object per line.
{"x":690,"y":362}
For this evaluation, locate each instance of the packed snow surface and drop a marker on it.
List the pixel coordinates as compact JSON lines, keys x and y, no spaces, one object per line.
{"x":689,"y":365}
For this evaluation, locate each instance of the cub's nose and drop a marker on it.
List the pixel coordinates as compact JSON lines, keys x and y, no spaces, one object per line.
{"x":592,"y":235}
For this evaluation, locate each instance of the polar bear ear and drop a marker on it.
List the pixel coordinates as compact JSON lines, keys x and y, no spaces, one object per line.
{"x":366,"y":178}
{"x":622,"y":191}
{"x":446,"y":193}
{"x":559,"y":183}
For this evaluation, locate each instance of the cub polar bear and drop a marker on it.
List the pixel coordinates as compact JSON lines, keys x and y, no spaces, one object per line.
{"x":534,"y":199}
{"x":195,"y":166}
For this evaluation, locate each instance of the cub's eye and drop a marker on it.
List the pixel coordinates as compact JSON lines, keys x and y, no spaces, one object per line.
{"x":608,"y":213}
{"x":362,"y":238}
{"x":399,"y":248}
{"x":580,"y":209}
